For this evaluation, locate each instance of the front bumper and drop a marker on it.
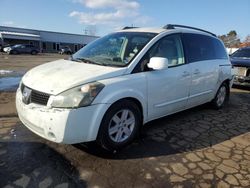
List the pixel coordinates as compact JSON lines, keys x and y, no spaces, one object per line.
{"x":241,"y":80}
{"x":67,"y":126}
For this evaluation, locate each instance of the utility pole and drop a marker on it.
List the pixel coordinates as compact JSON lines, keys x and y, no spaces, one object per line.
{"x":85,"y":31}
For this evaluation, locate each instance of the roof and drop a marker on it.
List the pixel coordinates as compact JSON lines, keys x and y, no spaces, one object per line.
{"x":160,"y":30}
{"x":145,"y":29}
{"x":247,"y":47}
{"x":37,"y":30}
{"x":18,"y":34}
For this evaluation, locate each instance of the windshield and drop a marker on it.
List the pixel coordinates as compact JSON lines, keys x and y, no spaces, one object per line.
{"x":117,"y":49}
{"x":242,"y":53}
{"x":17,"y":45}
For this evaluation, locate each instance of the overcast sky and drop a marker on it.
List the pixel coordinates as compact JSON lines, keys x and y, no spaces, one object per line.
{"x":104,"y":16}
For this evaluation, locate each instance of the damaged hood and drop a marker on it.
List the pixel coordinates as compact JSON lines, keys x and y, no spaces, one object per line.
{"x":58,"y":76}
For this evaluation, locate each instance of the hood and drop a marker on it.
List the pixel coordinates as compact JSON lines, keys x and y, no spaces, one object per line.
{"x":58,"y":76}
{"x":243,"y":62}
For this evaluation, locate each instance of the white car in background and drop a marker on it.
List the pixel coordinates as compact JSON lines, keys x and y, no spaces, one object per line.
{"x":114,"y":85}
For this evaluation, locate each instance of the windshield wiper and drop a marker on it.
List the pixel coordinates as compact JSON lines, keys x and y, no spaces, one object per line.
{"x":89,"y":61}
{"x":84,"y":60}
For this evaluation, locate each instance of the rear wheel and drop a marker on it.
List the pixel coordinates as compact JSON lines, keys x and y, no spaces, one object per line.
{"x":120,"y":125}
{"x":221,"y":96}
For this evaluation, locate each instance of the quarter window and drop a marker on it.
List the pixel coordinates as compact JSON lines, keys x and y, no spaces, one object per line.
{"x":220,"y":51}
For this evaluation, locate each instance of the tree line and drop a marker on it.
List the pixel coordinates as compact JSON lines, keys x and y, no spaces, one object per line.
{"x":232,"y":40}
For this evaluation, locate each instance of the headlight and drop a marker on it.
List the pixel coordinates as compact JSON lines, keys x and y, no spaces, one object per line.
{"x":78,"y":96}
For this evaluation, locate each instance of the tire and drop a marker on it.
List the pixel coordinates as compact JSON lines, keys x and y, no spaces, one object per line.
{"x":120,"y":125}
{"x":221,"y":97}
{"x":34,"y":52}
{"x":14,"y":52}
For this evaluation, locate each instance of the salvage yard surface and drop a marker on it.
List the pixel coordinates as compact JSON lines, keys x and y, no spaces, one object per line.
{"x":200,"y":147}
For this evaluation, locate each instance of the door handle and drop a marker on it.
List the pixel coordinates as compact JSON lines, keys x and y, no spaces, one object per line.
{"x":185,"y":74}
{"x":197,"y":71}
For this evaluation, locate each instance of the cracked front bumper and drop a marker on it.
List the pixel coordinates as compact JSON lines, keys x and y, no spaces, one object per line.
{"x":61,"y":125}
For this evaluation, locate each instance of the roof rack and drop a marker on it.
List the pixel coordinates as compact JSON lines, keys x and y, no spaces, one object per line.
{"x":128,"y":27}
{"x":172,"y":26}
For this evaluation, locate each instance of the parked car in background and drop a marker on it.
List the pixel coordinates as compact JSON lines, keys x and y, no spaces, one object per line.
{"x":4,"y":46}
{"x":21,"y":49}
{"x":110,"y":88}
{"x":65,"y":50}
{"x":241,"y":66}
{"x":231,"y":50}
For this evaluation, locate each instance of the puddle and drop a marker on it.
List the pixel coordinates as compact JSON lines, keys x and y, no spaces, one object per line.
{"x":9,"y":80}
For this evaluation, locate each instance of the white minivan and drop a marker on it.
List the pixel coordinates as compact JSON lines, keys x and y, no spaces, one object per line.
{"x":106,"y":91}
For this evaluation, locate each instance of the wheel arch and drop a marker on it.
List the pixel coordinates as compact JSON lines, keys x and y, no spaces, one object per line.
{"x":134,"y":100}
{"x":139,"y":98}
{"x":227,"y":82}
{"x":101,"y":137}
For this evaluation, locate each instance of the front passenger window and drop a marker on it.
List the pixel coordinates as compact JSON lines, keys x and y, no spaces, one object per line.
{"x":169,"y":47}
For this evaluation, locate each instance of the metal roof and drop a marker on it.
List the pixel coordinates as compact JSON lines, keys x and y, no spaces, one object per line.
{"x":17,"y":35}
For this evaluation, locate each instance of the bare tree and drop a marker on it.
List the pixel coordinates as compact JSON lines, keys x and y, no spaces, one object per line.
{"x":247,"y":39}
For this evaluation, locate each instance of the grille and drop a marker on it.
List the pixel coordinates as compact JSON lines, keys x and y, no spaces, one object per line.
{"x":37,"y":96}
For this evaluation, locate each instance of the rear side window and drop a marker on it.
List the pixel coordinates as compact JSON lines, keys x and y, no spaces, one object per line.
{"x":220,"y":51}
{"x":201,"y":47}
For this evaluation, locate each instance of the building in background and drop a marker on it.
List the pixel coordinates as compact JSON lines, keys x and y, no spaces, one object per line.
{"x":46,"y":41}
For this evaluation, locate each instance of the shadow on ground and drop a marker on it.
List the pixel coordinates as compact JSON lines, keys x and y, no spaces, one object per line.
{"x":243,"y":88}
{"x":190,"y":130}
{"x":35,"y":165}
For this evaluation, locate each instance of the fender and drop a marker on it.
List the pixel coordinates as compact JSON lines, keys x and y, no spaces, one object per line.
{"x":127,"y":86}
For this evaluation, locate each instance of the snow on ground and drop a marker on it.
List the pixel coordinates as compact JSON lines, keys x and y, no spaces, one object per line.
{"x":3,"y":72}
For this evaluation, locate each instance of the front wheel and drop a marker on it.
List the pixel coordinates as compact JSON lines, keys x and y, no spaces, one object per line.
{"x":14,"y":52}
{"x":221,"y":96}
{"x":120,"y":125}
{"x":34,"y":52}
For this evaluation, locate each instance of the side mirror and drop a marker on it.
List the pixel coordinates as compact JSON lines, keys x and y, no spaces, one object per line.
{"x":158,"y":63}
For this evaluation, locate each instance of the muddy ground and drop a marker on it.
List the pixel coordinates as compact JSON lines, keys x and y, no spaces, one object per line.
{"x":200,"y":147}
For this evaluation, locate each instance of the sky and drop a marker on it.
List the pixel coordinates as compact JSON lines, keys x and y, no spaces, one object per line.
{"x":104,"y":16}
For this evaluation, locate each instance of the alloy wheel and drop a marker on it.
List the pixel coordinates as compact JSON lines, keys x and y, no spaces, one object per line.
{"x":121,"y":125}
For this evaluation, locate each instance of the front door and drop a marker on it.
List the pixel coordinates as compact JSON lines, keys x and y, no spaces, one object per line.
{"x":168,"y":89}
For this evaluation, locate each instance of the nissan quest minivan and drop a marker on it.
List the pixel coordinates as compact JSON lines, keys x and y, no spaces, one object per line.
{"x":106,"y":91}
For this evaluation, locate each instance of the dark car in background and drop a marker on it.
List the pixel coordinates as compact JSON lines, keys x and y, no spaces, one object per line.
{"x":65,"y":50}
{"x":241,"y":66}
{"x":21,"y":49}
